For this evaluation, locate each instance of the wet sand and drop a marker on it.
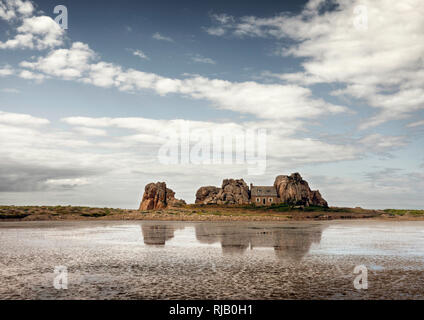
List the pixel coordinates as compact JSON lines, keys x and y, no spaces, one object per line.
{"x":212,"y":260}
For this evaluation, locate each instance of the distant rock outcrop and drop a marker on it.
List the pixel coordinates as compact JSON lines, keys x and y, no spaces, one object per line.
{"x":233,"y":191}
{"x":294,"y":190}
{"x":157,"y":196}
{"x":207,"y":195}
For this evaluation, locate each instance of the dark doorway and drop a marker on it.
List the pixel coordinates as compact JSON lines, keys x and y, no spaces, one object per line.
{"x":264,"y":201}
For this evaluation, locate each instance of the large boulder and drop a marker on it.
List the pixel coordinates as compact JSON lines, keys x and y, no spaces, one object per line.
{"x":157,"y":196}
{"x":318,"y":200}
{"x":207,"y":195}
{"x":295,"y":191}
{"x":232,"y":192}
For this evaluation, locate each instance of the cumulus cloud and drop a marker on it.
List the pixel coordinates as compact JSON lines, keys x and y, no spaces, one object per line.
{"x":121,"y":154}
{"x":21,"y":119}
{"x":284,"y":146}
{"x":267,"y":101}
{"x":380,"y":65}
{"x":64,"y":63}
{"x":18,"y":176}
{"x":12,"y":9}
{"x":372,"y":47}
{"x":80,"y":63}
{"x":6,"y":71}
{"x":39,"y":33}
{"x":25,"y":74}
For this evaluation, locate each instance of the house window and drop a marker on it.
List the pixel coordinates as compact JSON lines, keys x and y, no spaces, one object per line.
{"x":257,"y":199}
{"x":270,"y":199}
{"x":264,"y":201}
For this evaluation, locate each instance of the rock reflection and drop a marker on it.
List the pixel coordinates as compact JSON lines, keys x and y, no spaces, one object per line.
{"x":158,"y":234}
{"x":289,"y":241}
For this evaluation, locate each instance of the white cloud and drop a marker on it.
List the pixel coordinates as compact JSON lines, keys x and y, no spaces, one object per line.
{"x":90,"y":131}
{"x":224,"y":22}
{"x":378,"y":142}
{"x":140,"y":54}
{"x":380,"y":62}
{"x":67,"y":183}
{"x":267,"y":101}
{"x":158,"y":36}
{"x":379,"y":189}
{"x":25,"y":74}
{"x":12,"y":9}
{"x":416,"y":124}
{"x":6,"y":71}
{"x":84,"y":158}
{"x":65,"y":63}
{"x":39,"y":33}
{"x":223,"y":18}
{"x":200,"y":59}
{"x":21,"y":119}
{"x":216,"y":31}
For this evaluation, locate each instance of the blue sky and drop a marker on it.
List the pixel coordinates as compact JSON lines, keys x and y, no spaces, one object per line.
{"x":338,"y":85}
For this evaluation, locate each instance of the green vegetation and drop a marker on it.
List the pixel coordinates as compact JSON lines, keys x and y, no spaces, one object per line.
{"x":283,"y":207}
{"x":20,"y":212}
{"x":402,"y":212}
{"x":102,"y":213}
{"x":279,"y":210}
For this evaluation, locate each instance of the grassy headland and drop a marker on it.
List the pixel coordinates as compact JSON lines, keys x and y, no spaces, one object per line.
{"x":194,"y":212}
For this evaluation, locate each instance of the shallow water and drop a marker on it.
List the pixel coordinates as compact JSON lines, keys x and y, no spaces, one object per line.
{"x":208,"y":260}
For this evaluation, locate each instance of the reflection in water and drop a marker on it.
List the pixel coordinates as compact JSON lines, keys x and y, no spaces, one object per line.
{"x":289,"y":242}
{"x":294,"y":244}
{"x":158,"y":234}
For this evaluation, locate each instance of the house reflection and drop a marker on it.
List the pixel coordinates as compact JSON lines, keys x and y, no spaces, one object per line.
{"x":290,"y":241}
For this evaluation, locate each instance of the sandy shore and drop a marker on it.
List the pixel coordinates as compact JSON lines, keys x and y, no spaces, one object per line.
{"x":211,"y":260}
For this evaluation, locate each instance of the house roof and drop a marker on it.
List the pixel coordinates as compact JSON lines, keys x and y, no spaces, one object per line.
{"x":263,"y":191}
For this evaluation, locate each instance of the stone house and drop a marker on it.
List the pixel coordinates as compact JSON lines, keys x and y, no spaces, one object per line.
{"x":263,"y":195}
{"x":291,"y":190}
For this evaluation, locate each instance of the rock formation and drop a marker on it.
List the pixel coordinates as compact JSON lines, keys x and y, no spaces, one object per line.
{"x":294,"y":190}
{"x":232,"y":192}
{"x":158,"y":196}
{"x":207,"y":195}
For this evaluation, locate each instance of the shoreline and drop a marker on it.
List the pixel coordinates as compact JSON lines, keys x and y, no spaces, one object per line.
{"x":202,"y":213}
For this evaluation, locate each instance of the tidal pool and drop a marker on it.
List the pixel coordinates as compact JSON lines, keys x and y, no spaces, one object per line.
{"x":210,"y":260}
